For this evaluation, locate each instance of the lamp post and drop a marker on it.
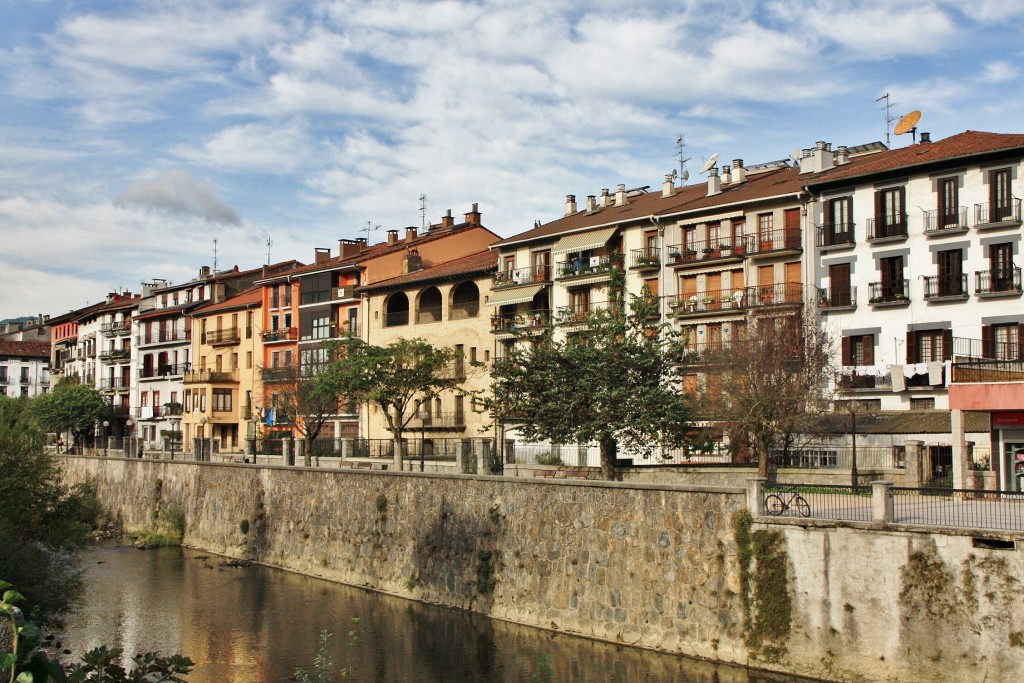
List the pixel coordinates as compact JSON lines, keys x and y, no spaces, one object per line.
{"x":423,"y":414}
{"x":201,"y":455}
{"x":106,"y":424}
{"x":175,"y":426}
{"x":128,"y":447}
{"x":853,"y":406}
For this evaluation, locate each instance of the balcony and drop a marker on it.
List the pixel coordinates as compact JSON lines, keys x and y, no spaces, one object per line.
{"x":348,"y":292}
{"x":946,"y":287}
{"x":211,"y":376}
{"x":521,"y":276}
{"x":711,"y":302}
{"x":517,"y":322}
{"x":115,"y":384}
{"x":164,"y":371}
{"x":158,"y":412}
{"x":779,"y":294}
{"x":835,"y":235}
{"x":997,"y":216}
{"x":988,"y":371}
{"x":25,"y":379}
{"x":998,"y":282}
{"x":890,"y":293}
{"x":285,"y":374}
{"x":938,"y":224}
{"x":774,"y":242}
{"x":696,"y":253}
{"x":428,"y":314}
{"x":440,"y":422}
{"x":889,"y":228}
{"x":863,"y":378}
{"x":576,"y":314}
{"x":595,"y":265}
{"x":228,"y":337}
{"x":320,"y":296}
{"x":115,"y":355}
{"x":120,"y":411}
{"x":165,"y":337}
{"x":116,"y":328}
{"x":645,"y":259}
{"x":986,"y":349}
{"x":838,"y":298}
{"x":285,"y":334}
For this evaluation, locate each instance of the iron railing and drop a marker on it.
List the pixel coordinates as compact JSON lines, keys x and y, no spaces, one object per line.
{"x":997,"y":281}
{"x":285,"y":334}
{"x":116,"y":328}
{"x":202,"y":375}
{"x":838,"y":297}
{"x":835,"y":234}
{"x":890,"y":292}
{"x":988,"y":371}
{"x":936,"y":222}
{"x":595,"y":265}
{"x":823,"y":501}
{"x":510,"y":322}
{"x":163,"y":336}
{"x":989,"y":349}
{"x":987,"y":214}
{"x":164,"y":370}
{"x":724,"y":247}
{"x":228,"y":336}
{"x":115,"y":355}
{"x":774,"y":240}
{"x":521,"y":276}
{"x":648,"y":257}
{"x":960,"y":508}
{"x":885,"y":227}
{"x":939,"y":287}
{"x":578,"y":313}
{"x":115,"y":384}
{"x":840,"y":458}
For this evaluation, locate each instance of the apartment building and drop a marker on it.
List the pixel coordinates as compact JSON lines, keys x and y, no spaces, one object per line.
{"x":24,"y":368}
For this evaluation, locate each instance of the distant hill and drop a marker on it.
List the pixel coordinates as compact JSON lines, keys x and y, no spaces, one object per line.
{"x":19,"y":321}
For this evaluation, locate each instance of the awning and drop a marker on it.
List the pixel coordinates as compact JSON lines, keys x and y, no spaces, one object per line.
{"x":582,"y":241}
{"x":514,"y":295}
{"x":712,"y":219}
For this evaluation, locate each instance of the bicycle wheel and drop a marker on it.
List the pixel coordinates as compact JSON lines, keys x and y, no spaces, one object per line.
{"x":774,"y":505}
{"x":802,"y":506}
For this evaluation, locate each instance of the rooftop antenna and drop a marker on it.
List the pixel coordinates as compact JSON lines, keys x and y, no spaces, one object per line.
{"x":908,"y":124}
{"x":889,"y":118}
{"x":270,"y":243}
{"x":423,"y":212}
{"x":215,"y":255}
{"x":681,"y":155}
{"x":368,"y":229}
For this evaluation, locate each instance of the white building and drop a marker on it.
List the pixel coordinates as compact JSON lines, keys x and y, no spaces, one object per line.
{"x":24,"y":368}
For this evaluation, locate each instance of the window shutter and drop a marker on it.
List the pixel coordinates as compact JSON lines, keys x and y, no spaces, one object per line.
{"x":947,"y":345}
{"x":988,"y":346}
{"x":911,"y":347}
{"x":1020,"y":342}
{"x":879,"y":212}
{"x":847,"y":351}
{"x":869,"y":349}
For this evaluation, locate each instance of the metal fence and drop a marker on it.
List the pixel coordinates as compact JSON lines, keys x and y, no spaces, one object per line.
{"x":964,"y":508}
{"x":819,"y":501}
{"x":589,"y":455}
{"x":841,"y":458}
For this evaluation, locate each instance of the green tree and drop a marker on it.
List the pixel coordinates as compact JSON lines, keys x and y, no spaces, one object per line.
{"x":42,"y":521}
{"x":394,"y":378}
{"x":73,"y":407}
{"x":614,"y":382}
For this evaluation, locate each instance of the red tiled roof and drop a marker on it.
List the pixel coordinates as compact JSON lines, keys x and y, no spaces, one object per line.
{"x":783,"y":180}
{"x":246,"y":299}
{"x":24,"y":349}
{"x":166,"y":311}
{"x":967,"y":144}
{"x":481,"y":262}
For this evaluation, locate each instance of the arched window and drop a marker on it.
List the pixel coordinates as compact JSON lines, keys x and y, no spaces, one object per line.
{"x":429,"y":308}
{"x":465,"y":301}
{"x":397,"y":310}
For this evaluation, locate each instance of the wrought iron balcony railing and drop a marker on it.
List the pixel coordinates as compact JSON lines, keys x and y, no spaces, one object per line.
{"x":210,"y":376}
{"x":164,"y":370}
{"x":519,"y":321}
{"x":595,"y":265}
{"x":116,"y":328}
{"x":285,"y":334}
{"x":887,"y":227}
{"x":835,"y":234}
{"x":945,"y":286}
{"x":936,"y":222}
{"x":222,"y":337}
{"x":988,"y":214}
{"x":998,"y":281}
{"x":704,"y":250}
{"x":521,"y":276}
{"x":786,"y":239}
{"x":838,"y":297}
{"x":890,"y":292}
{"x":649,"y":257}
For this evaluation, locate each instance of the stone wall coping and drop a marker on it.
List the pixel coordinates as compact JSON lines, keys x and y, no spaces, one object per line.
{"x":889,"y":528}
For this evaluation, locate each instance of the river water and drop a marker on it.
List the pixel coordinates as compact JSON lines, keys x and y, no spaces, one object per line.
{"x":258,"y":624}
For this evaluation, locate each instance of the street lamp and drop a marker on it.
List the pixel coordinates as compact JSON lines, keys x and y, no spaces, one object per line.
{"x":128,"y":425}
{"x":201,"y":455}
{"x":423,"y":414}
{"x":175,"y":426}
{"x":106,"y":423}
{"x":853,"y":406}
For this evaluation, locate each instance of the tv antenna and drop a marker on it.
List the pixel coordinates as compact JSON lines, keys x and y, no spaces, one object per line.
{"x":908,"y":124}
{"x":709,"y":163}
{"x":214,"y":255}
{"x":423,"y":212}
{"x":681,"y":155}
{"x":368,"y":229}
{"x":889,"y":118}
{"x":270,"y":243}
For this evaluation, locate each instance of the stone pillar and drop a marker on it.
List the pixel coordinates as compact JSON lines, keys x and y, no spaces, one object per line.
{"x":960,"y":451}
{"x":286,"y":451}
{"x":755,"y":495}
{"x":882,"y":502}
{"x":300,"y":449}
{"x":915,"y":472}
{"x":480,"y":450}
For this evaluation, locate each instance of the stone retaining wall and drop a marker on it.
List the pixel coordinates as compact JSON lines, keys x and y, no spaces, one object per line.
{"x":665,"y":567}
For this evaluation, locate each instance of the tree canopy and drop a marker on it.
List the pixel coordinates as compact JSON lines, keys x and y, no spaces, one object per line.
{"x":71,"y":406}
{"x":613,"y":381}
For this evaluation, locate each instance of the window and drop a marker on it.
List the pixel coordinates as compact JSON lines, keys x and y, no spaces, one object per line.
{"x":764,"y":230}
{"x":839,"y":290}
{"x":714,"y":233}
{"x":714,"y":336}
{"x":287,"y":295}
{"x":275,"y":359}
{"x":951,"y":272}
{"x":651,"y":244}
{"x":1002,"y":342}
{"x":275,"y":297}
{"x":949,"y":203}
{"x":541,"y":266}
{"x":858,"y":349}
{"x":1000,"y":197}
{"x":275,"y":323}
{"x":892,"y":278}
{"x":322,"y":327}
{"x":922,"y":403}
{"x":738,"y":228}
{"x":509,"y":265}
{"x":689,"y":238}
{"x":926,"y":346}
{"x":838,"y":222}
{"x":221,"y":400}
{"x":890,"y":213}
{"x":579,"y":301}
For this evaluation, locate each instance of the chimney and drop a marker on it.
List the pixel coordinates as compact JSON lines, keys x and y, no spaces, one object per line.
{"x":392,"y":237}
{"x":620,"y":195}
{"x":726,"y":174}
{"x":606,"y":199}
{"x":413,"y":261}
{"x":807,"y":161}
{"x":714,"y":182}
{"x":473,"y":217}
{"x":570,"y":204}
{"x":204,"y":271}
{"x":321,"y":255}
{"x":348,"y":248}
{"x":822,"y":156}
{"x":926,"y":138}
{"x":410,"y":233}
{"x":739,"y":173}
{"x":446,"y":220}
{"x":591,"y":203}
{"x":668,"y":188}
{"x":842,"y":155}
{"x":361,"y":241}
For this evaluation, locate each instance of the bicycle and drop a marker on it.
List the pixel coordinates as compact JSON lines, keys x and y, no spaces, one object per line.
{"x":777,"y":504}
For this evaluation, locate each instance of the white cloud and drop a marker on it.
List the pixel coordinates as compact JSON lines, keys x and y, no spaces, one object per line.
{"x":999,"y":72}
{"x":252,"y":147}
{"x":177,"y":193}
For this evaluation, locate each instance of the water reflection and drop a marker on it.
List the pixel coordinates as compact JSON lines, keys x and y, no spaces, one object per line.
{"x":258,"y":624}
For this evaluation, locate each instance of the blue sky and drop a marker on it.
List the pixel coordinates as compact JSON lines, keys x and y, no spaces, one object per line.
{"x":133,"y":134}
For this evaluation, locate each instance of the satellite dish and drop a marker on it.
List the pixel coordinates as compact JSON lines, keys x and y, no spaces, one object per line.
{"x":709,"y":163}
{"x":686,"y":175}
{"x":907,"y":123}
{"x":795,"y":156}
{"x":674,"y":174}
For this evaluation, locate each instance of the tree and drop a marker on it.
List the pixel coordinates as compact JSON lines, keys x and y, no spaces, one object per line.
{"x":614,"y":382}
{"x":768,"y":387}
{"x":42,"y":521}
{"x":310,"y":392}
{"x":394,"y":378}
{"x":72,"y":406}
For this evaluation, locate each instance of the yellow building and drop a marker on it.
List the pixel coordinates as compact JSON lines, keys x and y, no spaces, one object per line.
{"x":218,"y":406}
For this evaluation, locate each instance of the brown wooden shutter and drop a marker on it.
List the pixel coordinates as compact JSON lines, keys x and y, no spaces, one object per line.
{"x":947,"y":345}
{"x":1020,"y":342}
{"x":911,"y":346}
{"x":879,"y":212}
{"x":869,"y":349}
{"x":847,"y":351}
{"x":988,"y":346}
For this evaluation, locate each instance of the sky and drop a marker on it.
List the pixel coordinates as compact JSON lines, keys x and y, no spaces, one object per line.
{"x":139,"y":139}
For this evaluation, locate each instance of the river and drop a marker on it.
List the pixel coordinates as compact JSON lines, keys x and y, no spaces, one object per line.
{"x":258,"y":624}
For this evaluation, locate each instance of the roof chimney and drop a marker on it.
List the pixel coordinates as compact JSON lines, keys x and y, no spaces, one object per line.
{"x":714,"y":182}
{"x":739,"y":174}
{"x":726,"y":174}
{"x":446,"y":220}
{"x":410,"y":234}
{"x":362,"y":242}
{"x":842,"y":155}
{"x":668,"y":188}
{"x":473,"y":217}
{"x":606,"y":198}
{"x":591,"y":203}
{"x":620,"y":195}
{"x":392,"y":237}
{"x":570,"y":204}
{"x":321,"y":255}
{"x":926,"y":138}
{"x":807,"y":161}
{"x":822,"y":156}
{"x":204,"y":271}
{"x":348,"y":248}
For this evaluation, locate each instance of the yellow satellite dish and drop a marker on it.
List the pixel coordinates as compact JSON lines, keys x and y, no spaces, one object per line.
{"x":907,"y":123}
